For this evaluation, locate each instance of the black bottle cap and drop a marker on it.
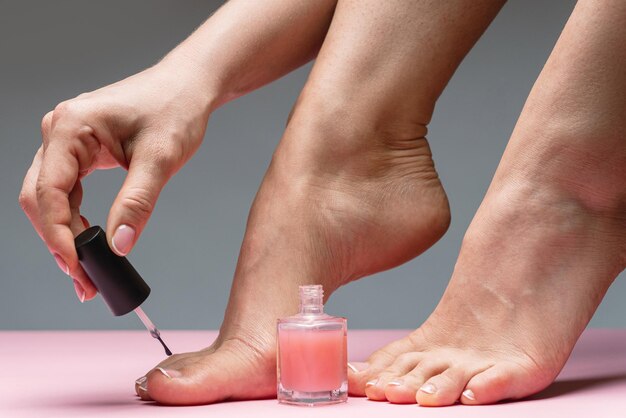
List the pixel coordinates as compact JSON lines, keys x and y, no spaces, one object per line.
{"x":121,"y":287}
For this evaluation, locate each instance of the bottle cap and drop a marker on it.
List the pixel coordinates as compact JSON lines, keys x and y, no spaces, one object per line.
{"x":121,"y":287}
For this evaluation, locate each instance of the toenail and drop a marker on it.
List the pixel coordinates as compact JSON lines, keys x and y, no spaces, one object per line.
{"x":143,"y":386}
{"x":357,"y":366}
{"x":371,"y":383}
{"x":428,"y":388}
{"x":141,"y":380}
{"x":469,"y":395}
{"x":169,"y":373}
{"x":396,"y":382}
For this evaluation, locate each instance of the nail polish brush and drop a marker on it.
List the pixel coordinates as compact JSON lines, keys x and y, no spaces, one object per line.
{"x":121,"y":287}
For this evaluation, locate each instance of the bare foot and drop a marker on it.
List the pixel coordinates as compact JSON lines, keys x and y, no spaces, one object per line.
{"x":544,"y":247}
{"x":351,"y":190}
{"x":323,"y":224}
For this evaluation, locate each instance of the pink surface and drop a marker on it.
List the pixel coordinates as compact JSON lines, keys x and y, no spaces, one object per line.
{"x":81,"y":374}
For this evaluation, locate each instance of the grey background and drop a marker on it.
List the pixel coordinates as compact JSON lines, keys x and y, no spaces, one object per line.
{"x":51,"y":51}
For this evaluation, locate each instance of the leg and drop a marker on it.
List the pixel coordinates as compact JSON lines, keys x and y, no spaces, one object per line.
{"x":351,"y":190}
{"x":545,"y":245}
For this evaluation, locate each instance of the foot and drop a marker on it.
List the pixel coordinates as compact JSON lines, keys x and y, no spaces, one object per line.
{"x":542,"y":250}
{"x":324,"y":214}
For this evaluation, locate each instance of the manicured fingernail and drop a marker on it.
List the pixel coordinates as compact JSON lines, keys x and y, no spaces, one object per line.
{"x":62,"y":264}
{"x":169,"y":373}
{"x":428,"y":388}
{"x":80,"y":292}
{"x":396,"y":382}
{"x":141,"y":380}
{"x":357,"y":366}
{"x":371,"y":383}
{"x":469,"y":395}
{"x":123,"y":239}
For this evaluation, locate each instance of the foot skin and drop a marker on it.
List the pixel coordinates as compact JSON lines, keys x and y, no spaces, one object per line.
{"x":351,"y":190}
{"x":545,"y":245}
{"x":365,"y":209}
{"x":515,"y":306}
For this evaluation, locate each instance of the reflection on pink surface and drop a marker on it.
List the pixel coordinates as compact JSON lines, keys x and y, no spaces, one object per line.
{"x":83,"y":374}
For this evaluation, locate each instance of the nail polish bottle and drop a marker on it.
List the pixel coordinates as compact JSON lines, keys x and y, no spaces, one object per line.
{"x":312,"y":354}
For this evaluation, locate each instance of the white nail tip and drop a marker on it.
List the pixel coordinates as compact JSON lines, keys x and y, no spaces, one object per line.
{"x":141,"y":380}
{"x":395,"y":383}
{"x":428,"y":388}
{"x":469,"y":395}
{"x":372,"y":382}
{"x":164,"y":372}
{"x":351,"y":367}
{"x":143,"y":389}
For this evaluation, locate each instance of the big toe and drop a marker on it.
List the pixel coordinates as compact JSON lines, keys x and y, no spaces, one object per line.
{"x":225,"y":374}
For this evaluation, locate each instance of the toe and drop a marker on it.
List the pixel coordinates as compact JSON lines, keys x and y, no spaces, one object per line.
{"x":490,"y":386}
{"x":212,"y":377}
{"x":445,"y":389}
{"x":367,"y":373}
{"x":403,"y":364}
{"x":403,"y":388}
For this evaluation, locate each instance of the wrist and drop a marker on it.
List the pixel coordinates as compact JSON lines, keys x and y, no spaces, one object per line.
{"x":200,"y":85}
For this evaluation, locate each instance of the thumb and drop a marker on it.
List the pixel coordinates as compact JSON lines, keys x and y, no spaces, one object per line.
{"x":135,"y":202}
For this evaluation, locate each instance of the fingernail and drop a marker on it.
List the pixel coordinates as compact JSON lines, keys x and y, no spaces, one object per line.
{"x":169,"y":373}
{"x":428,"y":388}
{"x":62,"y":264}
{"x":141,"y":380}
{"x":80,"y":292}
{"x":396,"y":382}
{"x":357,"y":366}
{"x":469,"y":395}
{"x":123,"y":239}
{"x":371,"y":383}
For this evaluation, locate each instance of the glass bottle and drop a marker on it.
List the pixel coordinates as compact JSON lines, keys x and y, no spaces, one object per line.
{"x":312,"y":353}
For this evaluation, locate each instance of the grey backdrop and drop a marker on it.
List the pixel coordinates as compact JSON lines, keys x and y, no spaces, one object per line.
{"x":50,"y":51}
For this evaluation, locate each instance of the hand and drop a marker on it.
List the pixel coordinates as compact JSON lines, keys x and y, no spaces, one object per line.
{"x":150,"y":124}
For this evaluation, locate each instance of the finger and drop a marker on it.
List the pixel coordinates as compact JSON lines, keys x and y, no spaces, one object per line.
{"x":28,"y":194}
{"x":70,"y":148}
{"x":136,"y":200}
{"x":85,"y":289}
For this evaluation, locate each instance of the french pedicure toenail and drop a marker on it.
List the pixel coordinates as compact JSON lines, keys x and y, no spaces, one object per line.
{"x":396,"y":382}
{"x":469,"y":395}
{"x":428,"y":388}
{"x":371,"y":383}
{"x":358,"y":366}
{"x":170,"y":374}
{"x":141,"y":380}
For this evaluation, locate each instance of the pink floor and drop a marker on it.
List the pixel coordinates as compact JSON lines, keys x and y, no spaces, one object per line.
{"x":81,"y":374}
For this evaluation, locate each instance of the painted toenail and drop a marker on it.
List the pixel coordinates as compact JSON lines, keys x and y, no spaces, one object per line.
{"x":371,"y":383}
{"x":428,"y":388}
{"x":469,"y":395}
{"x":141,"y":380}
{"x":143,"y":387}
{"x":357,"y":366}
{"x":396,"y":382}
{"x":168,"y":373}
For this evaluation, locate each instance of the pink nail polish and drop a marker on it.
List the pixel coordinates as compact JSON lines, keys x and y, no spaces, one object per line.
{"x":62,"y":265}
{"x":123,"y":239}
{"x":80,"y":292}
{"x":312,"y":354}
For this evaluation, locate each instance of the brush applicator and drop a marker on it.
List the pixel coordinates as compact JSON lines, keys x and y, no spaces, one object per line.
{"x":117,"y":281}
